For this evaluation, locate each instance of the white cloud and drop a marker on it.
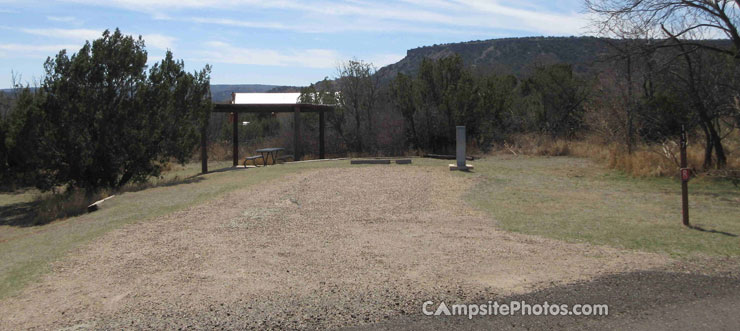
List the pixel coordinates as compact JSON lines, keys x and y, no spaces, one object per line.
{"x":324,"y":26}
{"x":240,"y":23}
{"x":531,"y":19}
{"x":154,"y":40}
{"x":148,"y":5}
{"x":64,"y":19}
{"x":439,"y":4}
{"x":36,"y":51}
{"x":161,"y":16}
{"x":159,"y":41}
{"x":222,"y":52}
{"x":34,"y":48}
{"x":312,"y":16}
{"x":151,"y":60}
{"x":75,"y":34}
{"x":309,"y":58}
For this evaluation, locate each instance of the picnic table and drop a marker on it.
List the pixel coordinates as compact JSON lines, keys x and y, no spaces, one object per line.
{"x":271,"y":151}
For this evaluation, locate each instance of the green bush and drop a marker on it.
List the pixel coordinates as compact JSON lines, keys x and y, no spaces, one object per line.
{"x":101,"y":120}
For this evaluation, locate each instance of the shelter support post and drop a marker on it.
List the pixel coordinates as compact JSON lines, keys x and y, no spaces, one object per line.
{"x":322,"y":122}
{"x":685,"y":175}
{"x":235,"y":117}
{"x":296,"y":133}
{"x":204,"y":148}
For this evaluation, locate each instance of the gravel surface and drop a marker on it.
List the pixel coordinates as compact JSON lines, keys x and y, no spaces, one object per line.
{"x":321,"y":249}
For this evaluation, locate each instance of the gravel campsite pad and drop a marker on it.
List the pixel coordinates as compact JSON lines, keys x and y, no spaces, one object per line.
{"x":323,"y":248}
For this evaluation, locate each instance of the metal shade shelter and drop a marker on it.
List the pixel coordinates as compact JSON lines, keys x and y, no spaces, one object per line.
{"x":269,"y":108}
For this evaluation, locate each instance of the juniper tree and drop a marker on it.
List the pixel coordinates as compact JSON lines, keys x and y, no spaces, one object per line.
{"x":100,"y":119}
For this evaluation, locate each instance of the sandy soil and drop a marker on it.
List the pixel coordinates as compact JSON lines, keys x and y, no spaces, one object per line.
{"x":327,"y":248}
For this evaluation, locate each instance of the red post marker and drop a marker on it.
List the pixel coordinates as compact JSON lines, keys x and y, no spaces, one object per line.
{"x":685,"y":174}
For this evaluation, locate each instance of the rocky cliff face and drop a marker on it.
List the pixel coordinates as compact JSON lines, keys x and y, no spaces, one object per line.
{"x":509,"y":56}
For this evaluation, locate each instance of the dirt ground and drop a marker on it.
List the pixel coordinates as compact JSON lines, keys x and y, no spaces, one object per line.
{"x":321,"y":249}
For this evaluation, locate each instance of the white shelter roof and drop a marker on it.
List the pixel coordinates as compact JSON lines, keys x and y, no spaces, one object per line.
{"x":265,"y":98}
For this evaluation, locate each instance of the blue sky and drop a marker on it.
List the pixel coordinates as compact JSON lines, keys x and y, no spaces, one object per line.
{"x":270,"y":41}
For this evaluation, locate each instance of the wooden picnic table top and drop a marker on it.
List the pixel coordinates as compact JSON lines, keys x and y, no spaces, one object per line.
{"x":269,"y":150}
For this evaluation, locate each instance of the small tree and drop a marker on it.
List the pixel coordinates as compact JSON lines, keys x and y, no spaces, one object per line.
{"x":561,"y":97}
{"x":358,"y":87}
{"x":447,"y":95}
{"x":403,"y":98}
{"x":324,"y":92}
{"x":493,"y":116}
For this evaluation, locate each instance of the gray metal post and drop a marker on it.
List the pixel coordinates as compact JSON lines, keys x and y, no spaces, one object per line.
{"x":461,"y":147}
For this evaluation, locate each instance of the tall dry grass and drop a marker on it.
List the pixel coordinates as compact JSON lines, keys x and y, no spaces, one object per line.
{"x":52,"y":206}
{"x":645,"y":160}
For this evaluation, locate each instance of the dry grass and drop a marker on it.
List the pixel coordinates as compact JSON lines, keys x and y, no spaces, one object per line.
{"x":539,"y":145}
{"x":646,"y":160}
{"x":72,"y":203}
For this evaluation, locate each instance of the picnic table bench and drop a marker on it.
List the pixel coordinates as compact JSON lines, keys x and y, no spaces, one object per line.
{"x":252,"y":158}
{"x":271,"y":151}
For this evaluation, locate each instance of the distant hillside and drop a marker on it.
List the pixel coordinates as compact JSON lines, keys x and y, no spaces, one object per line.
{"x":509,"y":56}
{"x":10,"y":91}
{"x":285,"y":89}
{"x":222,"y":93}
{"x":516,"y":55}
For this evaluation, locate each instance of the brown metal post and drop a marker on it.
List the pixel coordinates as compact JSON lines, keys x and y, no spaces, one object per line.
{"x":203,"y":148}
{"x":296,"y":132}
{"x":684,"y":179}
{"x":321,"y":135}
{"x":235,"y":116}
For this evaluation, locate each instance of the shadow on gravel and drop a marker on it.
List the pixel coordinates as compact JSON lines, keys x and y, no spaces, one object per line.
{"x":633,"y":298}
